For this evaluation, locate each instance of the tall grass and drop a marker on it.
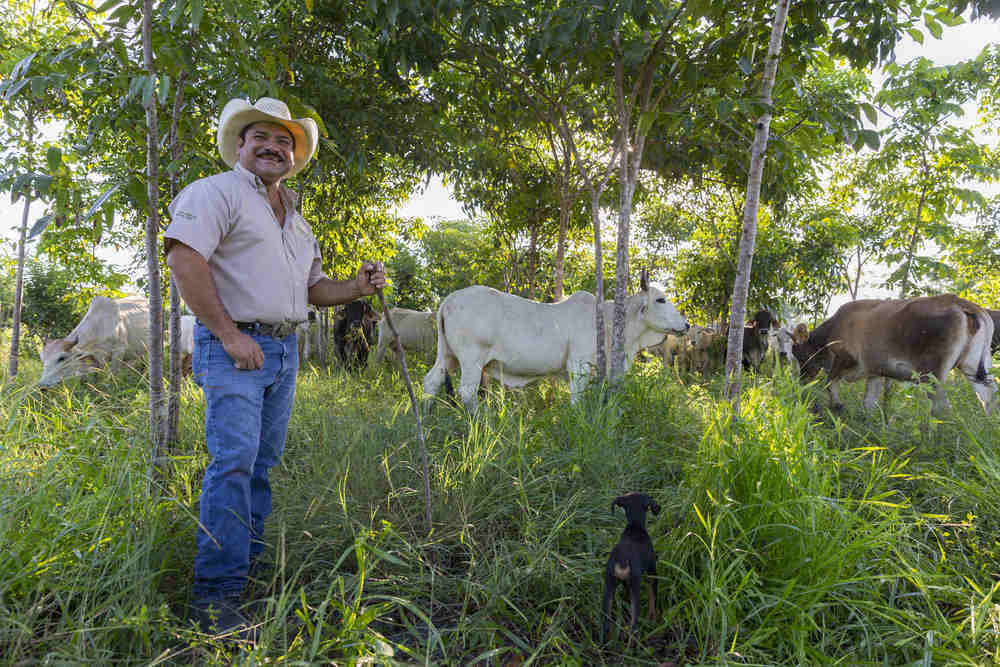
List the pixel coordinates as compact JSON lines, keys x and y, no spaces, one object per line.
{"x":787,"y":536}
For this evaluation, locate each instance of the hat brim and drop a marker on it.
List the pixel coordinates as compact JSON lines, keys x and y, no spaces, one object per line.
{"x":303,"y":130}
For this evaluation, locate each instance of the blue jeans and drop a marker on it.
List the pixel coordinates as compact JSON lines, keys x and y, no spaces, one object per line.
{"x":246,"y":420}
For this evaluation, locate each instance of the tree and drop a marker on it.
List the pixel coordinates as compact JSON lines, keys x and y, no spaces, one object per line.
{"x":917,"y":180}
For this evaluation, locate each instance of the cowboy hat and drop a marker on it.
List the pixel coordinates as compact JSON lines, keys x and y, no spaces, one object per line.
{"x":238,"y":113}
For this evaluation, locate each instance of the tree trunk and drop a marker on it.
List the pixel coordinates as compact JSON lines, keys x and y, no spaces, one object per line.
{"x":174,"y":366}
{"x":559,"y":271}
{"x":533,"y":261}
{"x":15,"y":336}
{"x":734,"y":351}
{"x":601,"y":361}
{"x":156,"y":403}
{"x":914,"y":241}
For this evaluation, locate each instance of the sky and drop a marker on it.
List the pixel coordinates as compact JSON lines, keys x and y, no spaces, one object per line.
{"x":435,"y":201}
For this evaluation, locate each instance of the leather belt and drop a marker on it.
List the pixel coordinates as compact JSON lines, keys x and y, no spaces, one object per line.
{"x":280,"y":330}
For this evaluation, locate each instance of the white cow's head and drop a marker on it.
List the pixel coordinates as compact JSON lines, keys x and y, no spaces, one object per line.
{"x":61,"y":359}
{"x":658,"y":313}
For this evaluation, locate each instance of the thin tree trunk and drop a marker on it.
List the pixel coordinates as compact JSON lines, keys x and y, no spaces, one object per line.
{"x":174,"y":392}
{"x":157,"y":419}
{"x":15,"y":336}
{"x":734,"y":351}
{"x":914,"y":240}
{"x":559,"y":272}
{"x":533,"y":261}
{"x":601,"y":361}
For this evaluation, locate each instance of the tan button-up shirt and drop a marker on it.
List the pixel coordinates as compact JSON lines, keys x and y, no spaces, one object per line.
{"x":262,"y":271}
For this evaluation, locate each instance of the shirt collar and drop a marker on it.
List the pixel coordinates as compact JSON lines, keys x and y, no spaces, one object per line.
{"x":288,"y":196}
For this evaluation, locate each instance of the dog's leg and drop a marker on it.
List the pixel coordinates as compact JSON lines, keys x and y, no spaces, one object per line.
{"x":634,"y":586}
{"x":653,"y":588}
{"x":609,"y":589}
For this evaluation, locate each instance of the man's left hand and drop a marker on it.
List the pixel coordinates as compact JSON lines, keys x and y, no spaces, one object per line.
{"x":371,"y":277}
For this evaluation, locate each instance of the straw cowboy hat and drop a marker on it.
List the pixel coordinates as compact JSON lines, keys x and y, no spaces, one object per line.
{"x":238,"y":113}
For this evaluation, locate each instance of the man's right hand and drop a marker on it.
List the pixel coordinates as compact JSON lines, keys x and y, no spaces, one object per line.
{"x":246,"y":353}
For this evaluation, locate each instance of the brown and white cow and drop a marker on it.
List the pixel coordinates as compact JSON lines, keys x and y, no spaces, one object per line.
{"x":417,"y":331}
{"x":112,"y":331}
{"x":518,"y":341}
{"x":911,"y":339}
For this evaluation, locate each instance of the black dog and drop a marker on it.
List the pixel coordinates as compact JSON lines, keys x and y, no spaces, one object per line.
{"x":631,"y":558}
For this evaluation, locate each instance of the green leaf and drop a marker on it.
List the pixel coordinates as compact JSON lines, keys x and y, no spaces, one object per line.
{"x":42,"y":184}
{"x":53,"y":156}
{"x":915,"y":35}
{"x":197,"y":9}
{"x":100,"y":202}
{"x":745,"y":65}
{"x":38,"y":85}
{"x":106,"y":6}
{"x":177,"y":12}
{"x":16,"y":190}
{"x":39,"y":226}
{"x":148,"y":87}
{"x":164,"y":88}
{"x":9,"y":93}
{"x":933,"y":26}
{"x":870,"y":113}
{"x":871,"y":139}
{"x":21,"y":68}
{"x":724,"y":108}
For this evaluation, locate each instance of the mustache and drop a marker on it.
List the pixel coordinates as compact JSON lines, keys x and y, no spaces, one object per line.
{"x":269,"y":153}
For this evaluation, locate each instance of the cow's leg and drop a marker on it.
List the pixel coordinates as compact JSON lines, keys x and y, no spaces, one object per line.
{"x":577,"y":382}
{"x":873,"y":389}
{"x":836,"y":405}
{"x":468,"y":386}
{"x":940,"y":405}
{"x":435,"y":377}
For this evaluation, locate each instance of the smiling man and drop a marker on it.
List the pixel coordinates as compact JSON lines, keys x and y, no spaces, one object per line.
{"x":247,"y":264}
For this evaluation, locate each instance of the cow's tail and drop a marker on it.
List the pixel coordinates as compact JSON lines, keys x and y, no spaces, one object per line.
{"x":438,"y":374}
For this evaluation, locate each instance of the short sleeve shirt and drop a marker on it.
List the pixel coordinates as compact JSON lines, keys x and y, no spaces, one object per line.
{"x":262,"y":271}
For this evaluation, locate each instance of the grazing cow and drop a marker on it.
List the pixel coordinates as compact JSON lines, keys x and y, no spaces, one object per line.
{"x":354,"y":333}
{"x":111,"y":331}
{"x":779,"y":345}
{"x":755,"y":333}
{"x":417,"y":331}
{"x":911,"y":339}
{"x":518,"y":341}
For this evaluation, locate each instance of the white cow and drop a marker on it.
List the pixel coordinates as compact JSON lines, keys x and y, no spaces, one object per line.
{"x":187,"y":342}
{"x":518,"y":341}
{"x":417,"y":331}
{"x":112,"y":331}
{"x":779,"y":345}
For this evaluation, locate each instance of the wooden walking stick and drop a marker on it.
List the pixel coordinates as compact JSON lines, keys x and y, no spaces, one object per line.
{"x":413,"y":401}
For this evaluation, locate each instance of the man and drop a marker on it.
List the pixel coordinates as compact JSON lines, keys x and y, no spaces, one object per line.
{"x":247,"y":264}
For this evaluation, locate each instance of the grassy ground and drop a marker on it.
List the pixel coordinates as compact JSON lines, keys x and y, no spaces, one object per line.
{"x":786,"y":538}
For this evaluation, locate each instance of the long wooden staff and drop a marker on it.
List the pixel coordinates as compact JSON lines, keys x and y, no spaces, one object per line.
{"x":416,"y":408}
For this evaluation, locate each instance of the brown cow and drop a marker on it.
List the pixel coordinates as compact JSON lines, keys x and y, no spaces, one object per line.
{"x":911,"y":339}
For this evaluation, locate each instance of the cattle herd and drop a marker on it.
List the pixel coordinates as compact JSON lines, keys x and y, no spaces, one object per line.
{"x":487,"y":333}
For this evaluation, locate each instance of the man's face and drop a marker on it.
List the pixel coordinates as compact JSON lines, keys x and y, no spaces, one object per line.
{"x":266,"y":149}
